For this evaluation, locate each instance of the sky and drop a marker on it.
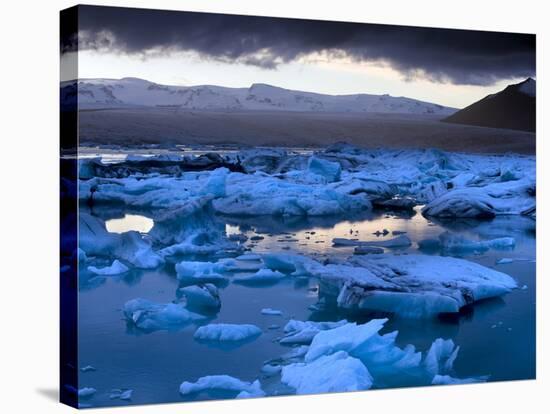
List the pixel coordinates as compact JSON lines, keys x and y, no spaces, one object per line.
{"x":449,"y":67}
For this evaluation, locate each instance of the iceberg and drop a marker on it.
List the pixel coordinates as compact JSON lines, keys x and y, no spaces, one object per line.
{"x":337,"y":372}
{"x":413,"y":286}
{"x":501,"y":198}
{"x":303,"y":332}
{"x":227,"y":332}
{"x":226,"y":383}
{"x":86,"y":392}
{"x":269,"y":311}
{"x":204,"y":296}
{"x":151,"y":316}
{"x":95,"y":240}
{"x":364,"y":356}
{"x":331,"y":171}
{"x":121,"y":394}
{"x":189,"y":271}
{"x":115,"y":268}
{"x":262,"y":276}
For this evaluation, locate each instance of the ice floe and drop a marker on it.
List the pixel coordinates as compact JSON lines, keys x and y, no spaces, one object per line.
{"x":95,"y":240}
{"x":337,"y":372}
{"x":412,"y":286}
{"x":262,"y":276}
{"x":357,"y":357}
{"x":203,"y":296}
{"x":303,"y":332}
{"x":241,"y":389}
{"x":200,"y":271}
{"x":115,"y":268}
{"x":227,"y":332}
{"x":150,"y":316}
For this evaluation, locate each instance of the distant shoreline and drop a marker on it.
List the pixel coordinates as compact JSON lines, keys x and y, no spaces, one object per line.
{"x":166,"y":127}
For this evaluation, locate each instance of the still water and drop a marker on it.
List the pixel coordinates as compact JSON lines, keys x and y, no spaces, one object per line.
{"x":496,"y":337}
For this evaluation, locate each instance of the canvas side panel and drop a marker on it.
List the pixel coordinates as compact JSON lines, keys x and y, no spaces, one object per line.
{"x":68,"y":208}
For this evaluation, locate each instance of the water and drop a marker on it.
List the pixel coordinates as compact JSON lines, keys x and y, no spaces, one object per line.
{"x":496,"y":337}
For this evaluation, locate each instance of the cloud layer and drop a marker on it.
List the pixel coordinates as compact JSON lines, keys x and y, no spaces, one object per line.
{"x":456,"y":56}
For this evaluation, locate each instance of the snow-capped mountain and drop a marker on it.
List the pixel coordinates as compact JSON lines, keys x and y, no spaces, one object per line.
{"x":126,"y":92}
{"x":512,"y":108}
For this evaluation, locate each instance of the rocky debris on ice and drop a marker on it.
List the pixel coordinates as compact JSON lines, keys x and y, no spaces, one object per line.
{"x":116,"y":268}
{"x":226,"y":383}
{"x":227,"y":332}
{"x":151,"y":316}
{"x":202,"y":296}
{"x":499,"y":198}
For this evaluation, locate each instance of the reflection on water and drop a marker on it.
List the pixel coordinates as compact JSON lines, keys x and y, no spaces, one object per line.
{"x":496,"y":337}
{"x":130,"y":222}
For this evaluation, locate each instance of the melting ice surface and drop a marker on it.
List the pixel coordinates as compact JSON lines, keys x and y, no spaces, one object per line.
{"x":496,"y":336}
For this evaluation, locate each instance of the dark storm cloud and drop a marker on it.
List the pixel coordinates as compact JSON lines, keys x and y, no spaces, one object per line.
{"x":458,"y":56}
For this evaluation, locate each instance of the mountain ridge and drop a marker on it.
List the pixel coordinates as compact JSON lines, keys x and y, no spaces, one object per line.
{"x":136,"y":92}
{"x":514,"y":107}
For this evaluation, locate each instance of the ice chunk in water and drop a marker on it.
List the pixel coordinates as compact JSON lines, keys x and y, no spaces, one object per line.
{"x":227,"y":332}
{"x":415,"y":286}
{"x":216,"y":183}
{"x":200,"y":271}
{"x":202,"y":296}
{"x":151,"y":316}
{"x":399,"y":241}
{"x":448,"y":380}
{"x":337,"y":372}
{"x":94,"y":239}
{"x":329,"y":170}
{"x":86,"y":392}
{"x":440,"y":357}
{"x":261,"y":276}
{"x":460,"y":244}
{"x":303,"y":332}
{"x":298,"y":265}
{"x":115,"y":269}
{"x":511,"y":197}
{"x":269,"y":311}
{"x":223,"y":383}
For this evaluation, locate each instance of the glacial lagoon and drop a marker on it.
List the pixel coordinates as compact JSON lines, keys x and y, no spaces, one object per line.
{"x":153,"y":363}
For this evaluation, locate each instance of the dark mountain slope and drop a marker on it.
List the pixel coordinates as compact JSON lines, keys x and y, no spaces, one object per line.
{"x":512,"y":108}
